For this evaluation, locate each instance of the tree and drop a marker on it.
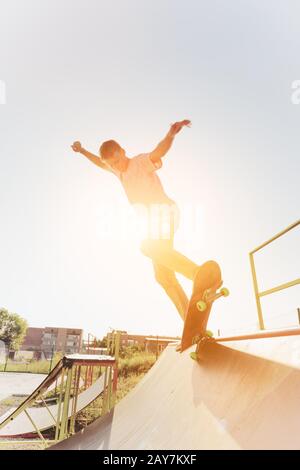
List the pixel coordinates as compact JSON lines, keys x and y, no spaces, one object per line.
{"x":12,"y":329}
{"x":102,"y":343}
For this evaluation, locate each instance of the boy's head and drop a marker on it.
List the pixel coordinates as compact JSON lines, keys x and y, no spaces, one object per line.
{"x":112,"y":153}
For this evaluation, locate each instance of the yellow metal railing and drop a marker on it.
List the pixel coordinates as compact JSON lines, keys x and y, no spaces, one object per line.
{"x":259,"y":294}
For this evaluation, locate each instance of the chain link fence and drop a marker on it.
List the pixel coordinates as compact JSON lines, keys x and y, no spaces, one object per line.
{"x":38,"y":361}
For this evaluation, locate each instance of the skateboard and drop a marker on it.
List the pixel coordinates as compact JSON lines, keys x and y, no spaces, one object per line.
{"x":207,"y":289}
{"x":207,"y":337}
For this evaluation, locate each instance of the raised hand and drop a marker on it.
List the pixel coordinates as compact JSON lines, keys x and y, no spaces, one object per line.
{"x":177,"y":126}
{"x":76,"y":146}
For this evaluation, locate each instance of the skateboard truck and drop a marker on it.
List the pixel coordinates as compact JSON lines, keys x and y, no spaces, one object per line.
{"x":207,"y":288}
{"x":200,"y":340}
{"x":209,"y":296}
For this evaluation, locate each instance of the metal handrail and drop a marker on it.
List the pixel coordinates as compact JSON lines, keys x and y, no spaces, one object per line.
{"x":286,"y":285}
{"x":261,"y":335}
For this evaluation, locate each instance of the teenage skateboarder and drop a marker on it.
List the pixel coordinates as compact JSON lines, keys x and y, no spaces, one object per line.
{"x":143,"y":187}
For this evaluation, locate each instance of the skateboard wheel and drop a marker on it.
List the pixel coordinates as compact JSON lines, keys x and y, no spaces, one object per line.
{"x":201,"y":306}
{"x":209,"y":334}
{"x":225,"y":292}
{"x":194,"y":356}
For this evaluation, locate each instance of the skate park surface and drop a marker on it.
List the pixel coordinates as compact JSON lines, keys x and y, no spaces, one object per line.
{"x":12,"y":383}
{"x":16,"y":421}
{"x":239,"y":395}
{"x":21,"y":426}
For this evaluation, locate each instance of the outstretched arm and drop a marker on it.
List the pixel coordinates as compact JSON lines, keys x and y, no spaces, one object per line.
{"x":163,"y":147}
{"x":77,"y":147}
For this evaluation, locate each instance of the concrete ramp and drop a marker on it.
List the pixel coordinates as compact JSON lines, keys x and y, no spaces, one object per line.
{"x":242,"y":395}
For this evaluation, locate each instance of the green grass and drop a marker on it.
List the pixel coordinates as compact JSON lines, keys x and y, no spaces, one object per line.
{"x":33,"y":367}
{"x":137,"y":364}
{"x":130,"y":362}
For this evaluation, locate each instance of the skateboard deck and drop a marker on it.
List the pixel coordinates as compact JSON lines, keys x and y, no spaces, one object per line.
{"x":206,"y":284}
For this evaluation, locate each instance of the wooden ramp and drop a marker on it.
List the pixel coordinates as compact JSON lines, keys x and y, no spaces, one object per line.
{"x":29,"y":420}
{"x":242,"y":395}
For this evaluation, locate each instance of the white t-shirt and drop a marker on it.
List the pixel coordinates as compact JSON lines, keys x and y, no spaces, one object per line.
{"x":141,"y":183}
{"x":144,"y":191}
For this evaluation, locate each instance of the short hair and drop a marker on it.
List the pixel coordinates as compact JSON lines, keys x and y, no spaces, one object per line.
{"x":108,"y":148}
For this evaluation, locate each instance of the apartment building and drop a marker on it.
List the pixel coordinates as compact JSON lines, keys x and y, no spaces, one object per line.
{"x":148,"y":343}
{"x":49,"y":339}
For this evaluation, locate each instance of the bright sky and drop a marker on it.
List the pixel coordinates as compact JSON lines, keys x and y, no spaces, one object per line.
{"x":91,"y":70}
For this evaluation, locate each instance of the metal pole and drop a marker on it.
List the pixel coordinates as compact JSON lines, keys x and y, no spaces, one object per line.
{"x":261,"y":334}
{"x":58,"y":422}
{"x":65,"y":413}
{"x":283,"y":232}
{"x":49,"y":411}
{"x":52,"y":353}
{"x":74,"y":399}
{"x":104,"y":395}
{"x":35,"y":426}
{"x":117,"y":345}
{"x":110,"y":388}
{"x":255,"y":285}
{"x":286,"y":285}
{"x":115,"y":383}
